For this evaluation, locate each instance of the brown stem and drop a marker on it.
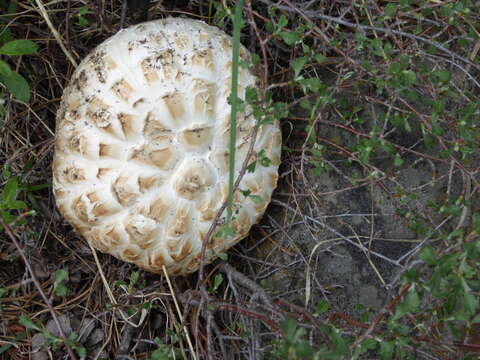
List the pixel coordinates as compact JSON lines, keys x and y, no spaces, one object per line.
{"x":12,"y":237}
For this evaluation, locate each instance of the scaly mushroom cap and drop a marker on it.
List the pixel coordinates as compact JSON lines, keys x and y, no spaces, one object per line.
{"x":141,"y":153}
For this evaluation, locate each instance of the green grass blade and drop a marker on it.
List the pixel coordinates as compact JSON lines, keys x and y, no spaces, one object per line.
{"x":237,"y":24}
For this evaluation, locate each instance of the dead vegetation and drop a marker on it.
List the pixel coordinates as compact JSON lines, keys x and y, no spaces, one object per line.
{"x":377,"y":165}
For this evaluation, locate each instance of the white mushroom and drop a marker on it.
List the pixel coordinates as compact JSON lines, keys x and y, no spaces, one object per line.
{"x":141,"y":154}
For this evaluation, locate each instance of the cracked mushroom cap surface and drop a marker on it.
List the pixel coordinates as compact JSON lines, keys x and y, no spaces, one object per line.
{"x":142,"y":144}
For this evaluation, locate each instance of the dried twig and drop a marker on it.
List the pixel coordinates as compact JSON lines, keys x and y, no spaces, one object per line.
{"x":224,"y":306}
{"x":179,"y":312}
{"x":12,"y":237}
{"x":336,"y":232}
{"x":246,"y":282}
{"x":318,"y":15}
{"x":56,"y":34}
{"x":381,"y":315}
{"x":216,"y":220}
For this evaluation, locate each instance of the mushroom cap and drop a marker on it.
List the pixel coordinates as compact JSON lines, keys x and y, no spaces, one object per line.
{"x":142,"y":141}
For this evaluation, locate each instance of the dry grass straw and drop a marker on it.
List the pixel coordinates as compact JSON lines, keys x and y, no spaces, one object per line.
{"x":56,"y":34}
{"x":179,"y":313}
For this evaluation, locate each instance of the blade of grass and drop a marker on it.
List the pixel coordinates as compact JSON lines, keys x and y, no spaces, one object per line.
{"x":237,"y":24}
{"x":7,"y":346}
{"x":56,"y":34}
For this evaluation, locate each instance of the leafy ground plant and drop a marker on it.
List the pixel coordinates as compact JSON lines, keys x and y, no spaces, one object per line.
{"x":10,"y":47}
{"x":370,"y":249}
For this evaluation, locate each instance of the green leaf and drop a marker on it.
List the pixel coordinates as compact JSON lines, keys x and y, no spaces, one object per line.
{"x":322,"y":306}
{"x":82,"y":21}
{"x":5,"y":35}
{"x":217,"y":280}
{"x":251,"y":167}
{"x":398,"y":161}
{"x":223,"y":256}
{"x":391,"y":10}
{"x":429,"y":140}
{"x":225,"y":231}
{"x":256,"y":199}
{"x":448,"y":261}
{"x":10,"y":190}
{"x":19,"y":47}
{"x":339,"y":344}
{"x":436,"y":128}
{"x":60,"y":276}
{"x":81,"y":351}
{"x":251,"y":95}
{"x":282,"y":22}
{"x":26,"y":322}
{"x":410,"y":304}
{"x":6,"y":217}
{"x":289,"y":37}
{"x":428,"y":255}
{"x":469,"y":299}
{"x":386,"y":350}
{"x":410,"y":77}
{"x":476,"y":319}
{"x":280,"y":110}
{"x":133,"y":279}
{"x":245,"y":192}
{"x":17,"y":205}
{"x":119,"y":283}
{"x":320,"y":58}
{"x":412,"y":300}
{"x":84,"y":10}
{"x":289,"y":327}
{"x":270,"y":27}
{"x":311,"y":84}
{"x":61,"y":290}
{"x":468,"y":271}
{"x":298,"y":64}
{"x":255,"y":59}
{"x":442,"y":75}
{"x":367,"y":344}
{"x":14,"y":82}
{"x":264,"y":160}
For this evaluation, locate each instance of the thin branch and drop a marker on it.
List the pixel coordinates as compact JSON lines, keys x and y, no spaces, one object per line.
{"x":56,"y":34}
{"x":225,"y":306}
{"x":216,"y":220}
{"x":241,"y":279}
{"x":12,"y":237}
{"x":317,"y":15}
{"x":381,"y":315}
{"x":179,"y":312}
{"x":331,"y":229}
